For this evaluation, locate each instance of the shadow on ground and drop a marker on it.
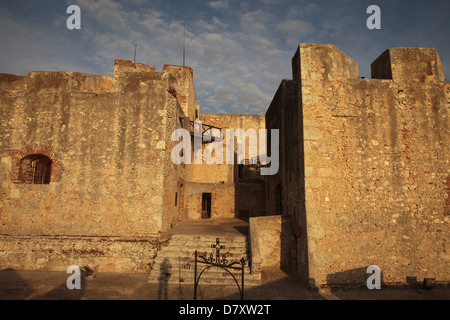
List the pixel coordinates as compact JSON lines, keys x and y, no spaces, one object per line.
{"x":277,"y":285}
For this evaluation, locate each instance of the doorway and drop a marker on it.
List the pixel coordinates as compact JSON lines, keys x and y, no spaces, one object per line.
{"x":206,"y":205}
{"x":278,"y":200}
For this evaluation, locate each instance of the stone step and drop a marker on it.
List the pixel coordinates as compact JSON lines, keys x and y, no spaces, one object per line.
{"x":217,"y":281}
{"x":212,"y":239}
{"x":185,"y":266}
{"x":188,"y":270}
{"x":192,"y":246}
{"x":175,"y":254}
{"x":175,"y":262}
{"x":210,"y":276}
{"x":208,"y":251}
{"x":185,"y":243}
{"x":175,"y":259}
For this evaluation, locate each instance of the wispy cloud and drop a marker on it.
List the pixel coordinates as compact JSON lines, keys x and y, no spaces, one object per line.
{"x":219,"y":4}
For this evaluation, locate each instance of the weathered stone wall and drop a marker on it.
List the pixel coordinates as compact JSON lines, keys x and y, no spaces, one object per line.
{"x":250,"y":199}
{"x":184,"y":90}
{"x":285,"y":190}
{"x":266,"y":236}
{"x":375,"y":165}
{"x":236,"y":121}
{"x":100,"y":254}
{"x":111,"y":161}
{"x":174,"y":175}
{"x":222,"y":200}
{"x":111,"y":174}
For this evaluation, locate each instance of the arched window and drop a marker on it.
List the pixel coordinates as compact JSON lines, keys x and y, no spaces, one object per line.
{"x":35,"y":169}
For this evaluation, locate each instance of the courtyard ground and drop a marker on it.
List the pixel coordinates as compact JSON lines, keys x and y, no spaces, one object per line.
{"x":276,"y":285}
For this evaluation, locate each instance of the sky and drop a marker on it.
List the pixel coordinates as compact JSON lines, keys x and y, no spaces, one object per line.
{"x":239,"y":50}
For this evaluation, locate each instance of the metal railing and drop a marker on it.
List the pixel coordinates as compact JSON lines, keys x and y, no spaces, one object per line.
{"x":205,"y":130}
{"x":219,"y":262}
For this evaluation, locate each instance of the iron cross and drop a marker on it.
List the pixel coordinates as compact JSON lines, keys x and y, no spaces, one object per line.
{"x":218,"y":247}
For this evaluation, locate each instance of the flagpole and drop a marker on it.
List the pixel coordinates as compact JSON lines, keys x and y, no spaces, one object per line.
{"x":184,"y":46}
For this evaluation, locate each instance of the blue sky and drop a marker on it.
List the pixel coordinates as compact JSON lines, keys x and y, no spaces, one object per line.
{"x":239,"y":50}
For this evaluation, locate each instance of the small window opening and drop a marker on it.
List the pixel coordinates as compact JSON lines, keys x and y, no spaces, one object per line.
{"x":35,"y":169}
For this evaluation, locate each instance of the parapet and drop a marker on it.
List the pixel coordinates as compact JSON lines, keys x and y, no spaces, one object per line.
{"x":126,"y":74}
{"x":130,"y":66}
{"x":184,"y":89}
{"x":52,"y":81}
{"x":323,"y":62}
{"x":178,"y":70}
{"x":12,"y":82}
{"x":409,"y":65}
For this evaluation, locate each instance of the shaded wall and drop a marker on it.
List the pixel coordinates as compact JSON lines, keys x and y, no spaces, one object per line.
{"x":285,"y":190}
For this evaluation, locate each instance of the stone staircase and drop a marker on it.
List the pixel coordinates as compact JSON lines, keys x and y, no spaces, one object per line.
{"x":175,"y":261}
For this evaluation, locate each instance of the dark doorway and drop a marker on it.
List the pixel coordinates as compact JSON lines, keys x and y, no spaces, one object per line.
{"x":279,"y":200}
{"x":206,"y":205}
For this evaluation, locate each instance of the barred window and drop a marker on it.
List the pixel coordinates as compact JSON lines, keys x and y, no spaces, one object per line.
{"x":35,"y":169}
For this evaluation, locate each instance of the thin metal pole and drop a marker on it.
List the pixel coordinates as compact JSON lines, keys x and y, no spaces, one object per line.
{"x":195,"y":277}
{"x":184,"y":46}
{"x":242,"y":290}
{"x":135,"y":47}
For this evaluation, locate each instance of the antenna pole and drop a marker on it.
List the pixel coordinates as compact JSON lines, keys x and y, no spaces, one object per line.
{"x":184,"y":46}
{"x":135,"y":47}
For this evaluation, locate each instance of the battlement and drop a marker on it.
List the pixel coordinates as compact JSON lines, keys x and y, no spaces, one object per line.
{"x":409,"y":64}
{"x":87,"y":82}
{"x":128,"y":75}
{"x":325,"y":62}
{"x":121,"y":66}
{"x":57,"y":81}
{"x":322,"y":62}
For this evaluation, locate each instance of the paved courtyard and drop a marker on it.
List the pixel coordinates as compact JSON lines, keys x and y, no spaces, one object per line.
{"x":276,"y":285}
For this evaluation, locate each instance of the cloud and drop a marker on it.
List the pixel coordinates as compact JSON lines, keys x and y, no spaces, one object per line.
{"x":222,"y":96}
{"x":215,"y":25}
{"x":296,"y":26}
{"x":220,"y":4}
{"x":106,"y":12}
{"x":215,"y":49}
{"x":255,"y":22}
{"x":302,"y":10}
{"x":206,"y":84}
{"x":295,"y":30}
{"x":251,"y":100}
{"x":152,"y":21}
